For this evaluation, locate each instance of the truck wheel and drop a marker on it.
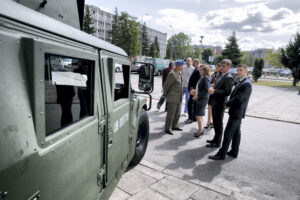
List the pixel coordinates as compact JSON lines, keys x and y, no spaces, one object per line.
{"x":158,"y":73}
{"x":142,"y":138}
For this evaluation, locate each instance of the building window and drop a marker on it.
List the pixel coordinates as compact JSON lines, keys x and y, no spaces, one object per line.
{"x":68,"y":91}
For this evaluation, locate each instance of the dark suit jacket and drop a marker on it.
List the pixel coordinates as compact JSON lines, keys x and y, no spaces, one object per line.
{"x":194,"y":79}
{"x":239,"y":99}
{"x":203,"y":86}
{"x":222,"y":90}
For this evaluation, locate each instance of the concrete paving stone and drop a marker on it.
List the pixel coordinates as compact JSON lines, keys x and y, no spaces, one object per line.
{"x":173,"y":173}
{"x":148,"y":194}
{"x":150,"y":172}
{"x":239,"y":196}
{"x":174,"y":188}
{"x":140,"y":180}
{"x":206,"y":194}
{"x":151,"y":165}
{"x":212,"y":187}
{"x":119,"y":194}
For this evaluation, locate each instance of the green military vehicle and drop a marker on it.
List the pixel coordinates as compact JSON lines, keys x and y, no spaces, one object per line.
{"x":69,"y":125}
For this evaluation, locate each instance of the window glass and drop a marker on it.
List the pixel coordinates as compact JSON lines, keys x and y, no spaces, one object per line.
{"x":68,"y":91}
{"x":121,"y":77}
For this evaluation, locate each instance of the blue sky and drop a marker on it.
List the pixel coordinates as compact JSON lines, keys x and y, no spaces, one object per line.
{"x":258,"y":23}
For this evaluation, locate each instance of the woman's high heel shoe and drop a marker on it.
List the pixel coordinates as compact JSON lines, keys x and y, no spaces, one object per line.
{"x":196,"y":135}
{"x":210,"y":125}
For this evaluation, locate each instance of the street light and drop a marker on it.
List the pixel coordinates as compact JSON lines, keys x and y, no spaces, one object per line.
{"x":171,"y":43}
{"x":201,"y":40}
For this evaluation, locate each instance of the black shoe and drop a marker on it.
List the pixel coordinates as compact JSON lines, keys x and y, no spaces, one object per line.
{"x":213,"y":145}
{"x":217,"y":157}
{"x":210,"y":141}
{"x":210,"y":125}
{"x":230,"y":153}
{"x":169,"y":132}
{"x":196,"y":134}
{"x":176,"y":129}
{"x":188,"y":121}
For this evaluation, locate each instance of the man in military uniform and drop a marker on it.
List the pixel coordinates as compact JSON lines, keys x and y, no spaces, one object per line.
{"x":172,"y":90}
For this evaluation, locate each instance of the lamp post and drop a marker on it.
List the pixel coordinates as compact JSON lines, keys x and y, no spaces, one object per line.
{"x":171,"y":42}
{"x":201,"y":42}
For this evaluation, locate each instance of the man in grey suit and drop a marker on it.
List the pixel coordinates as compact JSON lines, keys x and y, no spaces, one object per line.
{"x":172,"y":90}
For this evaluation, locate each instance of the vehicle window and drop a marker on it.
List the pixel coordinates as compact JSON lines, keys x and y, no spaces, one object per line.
{"x":121,"y":81}
{"x":68,"y":91}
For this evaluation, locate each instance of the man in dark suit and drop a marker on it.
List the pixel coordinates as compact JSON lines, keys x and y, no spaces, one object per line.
{"x":191,"y":86}
{"x":237,"y":105}
{"x":219,"y":96}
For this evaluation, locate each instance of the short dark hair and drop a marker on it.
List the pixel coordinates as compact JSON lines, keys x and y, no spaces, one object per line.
{"x":171,"y":64}
{"x":226,"y":62}
{"x":243,"y":66}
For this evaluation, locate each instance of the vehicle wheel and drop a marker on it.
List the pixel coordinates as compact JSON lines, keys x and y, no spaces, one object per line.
{"x":142,"y":138}
{"x":158,"y":73}
{"x":117,"y":69}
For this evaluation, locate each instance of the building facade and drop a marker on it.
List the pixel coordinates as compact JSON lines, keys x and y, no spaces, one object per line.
{"x":102,"y":22}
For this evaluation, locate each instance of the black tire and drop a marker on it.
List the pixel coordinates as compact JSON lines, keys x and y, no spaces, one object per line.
{"x":117,"y":69}
{"x":142,"y":138}
{"x":159,"y":73}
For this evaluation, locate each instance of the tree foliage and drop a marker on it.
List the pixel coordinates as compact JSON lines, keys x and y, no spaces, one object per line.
{"x":247,"y":58}
{"x":197,"y":52}
{"x":157,"y":45}
{"x":88,"y":22}
{"x":180,"y":46}
{"x":290,"y":57}
{"x":258,"y":66}
{"x":206,"y":53}
{"x":145,"y":42}
{"x":218,"y":59}
{"x":232,"y":50}
{"x":153,"y":51}
{"x":272,"y":58}
{"x":125,"y":33}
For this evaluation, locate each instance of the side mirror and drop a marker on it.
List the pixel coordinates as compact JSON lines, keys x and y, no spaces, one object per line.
{"x":146,"y":77}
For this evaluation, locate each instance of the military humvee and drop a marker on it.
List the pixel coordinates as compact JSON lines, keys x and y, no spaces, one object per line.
{"x":69,"y":124}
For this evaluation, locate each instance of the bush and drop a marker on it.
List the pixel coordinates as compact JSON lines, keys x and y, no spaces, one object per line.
{"x":258,"y":66}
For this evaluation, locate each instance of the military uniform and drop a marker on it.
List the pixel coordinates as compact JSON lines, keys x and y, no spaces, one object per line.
{"x":172,"y":91}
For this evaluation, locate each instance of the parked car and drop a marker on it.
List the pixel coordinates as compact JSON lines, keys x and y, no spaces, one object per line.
{"x":118,"y":67}
{"x":233,"y":72}
{"x":212,"y":67}
{"x":287,"y":72}
{"x":136,"y":67}
{"x":159,"y":64}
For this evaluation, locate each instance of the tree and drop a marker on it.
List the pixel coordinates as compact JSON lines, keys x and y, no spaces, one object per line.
{"x":180,"y":44}
{"x":218,"y":59}
{"x":87,"y":25}
{"x":128,"y":34}
{"x":232,"y":50}
{"x":258,"y":66}
{"x":145,"y":41}
{"x":169,"y":52}
{"x":197,"y":52}
{"x":157,"y":45}
{"x":272,"y":58}
{"x":206,"y":53}
{"x":290,"y":57}
{"x":153,"y":51}
{"x":114,"y":33}
{"x":247,"y":58}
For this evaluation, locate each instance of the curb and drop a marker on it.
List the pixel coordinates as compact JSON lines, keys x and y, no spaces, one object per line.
{"x":255,"y":116}
{"x":209,"y":186}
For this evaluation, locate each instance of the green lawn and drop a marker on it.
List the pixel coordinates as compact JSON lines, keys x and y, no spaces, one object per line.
{"x":281,"y":84}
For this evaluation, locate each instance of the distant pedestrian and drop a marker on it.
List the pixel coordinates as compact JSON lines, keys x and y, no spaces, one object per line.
{"x":201,"y":97}
{"x":237,"y":105}
{"x":192,"y":86}
{"x":186,"y":74}
{"x":172,"y":90}
{"x":219,"y":95}
{"x":164,"y":75}
{"x":214,"y":77}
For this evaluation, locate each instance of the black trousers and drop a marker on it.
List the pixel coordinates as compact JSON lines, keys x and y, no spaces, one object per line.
{"x":192,"y":108}
{"x":218,"y":114}
{"x":232,"y":133}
